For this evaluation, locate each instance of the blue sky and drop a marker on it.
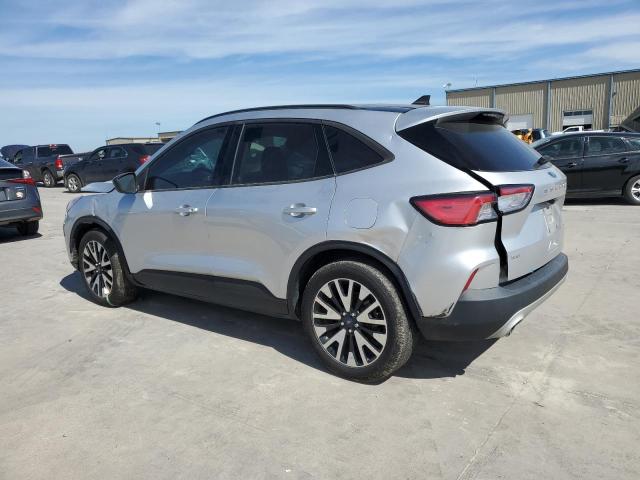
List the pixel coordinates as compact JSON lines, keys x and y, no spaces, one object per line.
{"x":81,"y":71}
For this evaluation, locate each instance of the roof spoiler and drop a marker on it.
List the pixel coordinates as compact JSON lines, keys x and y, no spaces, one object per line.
{"x":422,"y":115}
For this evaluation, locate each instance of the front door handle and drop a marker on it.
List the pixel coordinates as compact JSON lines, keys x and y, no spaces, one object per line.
{"x":186,"y":210}
{"x":623,"y":160}
{"x":299,"y":210}
{"x":571,"y":164}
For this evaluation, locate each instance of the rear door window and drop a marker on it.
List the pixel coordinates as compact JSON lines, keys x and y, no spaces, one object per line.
{"x":567,"y":148}
{"x":478,"y":143}
{"x":634,"y":143}
{"x":348,"y":152}
{"x":604,"y":146}
{"x":117,"y":152}
{"x":280,"y":152}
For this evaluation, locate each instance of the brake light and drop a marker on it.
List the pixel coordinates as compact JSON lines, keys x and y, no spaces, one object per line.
{"x":144,"y":159}
{"x":460,"y":209}
{"x":24,"y":181}
{"x":513,"y":198}
{"x":59,"y":165}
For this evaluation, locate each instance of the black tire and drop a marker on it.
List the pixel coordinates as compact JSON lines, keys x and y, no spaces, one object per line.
{"x":28,"y":228}
{"x":631,"y":191}
{"x":48,"y":179}
{"x":121,"y":291}
{"x":73,"y":183}
{"x":400,"y":331}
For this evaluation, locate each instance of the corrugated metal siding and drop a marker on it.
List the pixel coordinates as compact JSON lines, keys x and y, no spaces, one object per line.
{"x":580,"y":94}
{"x":473,"y":98}
{"x":523,"y":99}
{"x":627,"y":97}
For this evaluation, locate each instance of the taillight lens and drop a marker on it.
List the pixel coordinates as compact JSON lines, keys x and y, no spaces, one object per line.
{"x":513,"y":198}
{"x":462,"y":210}
{"x":59,"y":165}
{"x":144,"y":159}
{"x":26,"y":179}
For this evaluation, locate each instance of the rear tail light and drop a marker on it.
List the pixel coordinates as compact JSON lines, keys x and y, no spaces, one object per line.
{"x":513,"y":198}
{"x":462,"y":210}
{"x":467,"y":209}
{"x":59,"y":164}
{"x":144,"y":159}
{"x":26,"y":179}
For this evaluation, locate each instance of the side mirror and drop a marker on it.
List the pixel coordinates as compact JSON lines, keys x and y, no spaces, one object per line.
{"x":126,"y":183}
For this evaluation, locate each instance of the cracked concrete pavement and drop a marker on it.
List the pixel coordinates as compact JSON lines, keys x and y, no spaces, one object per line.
{"x":173,"y":388}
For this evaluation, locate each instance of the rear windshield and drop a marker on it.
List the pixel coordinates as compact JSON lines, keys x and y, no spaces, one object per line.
{"x":152,"y":148}
{"x":49,"y":150}
{"x":473,"y":145}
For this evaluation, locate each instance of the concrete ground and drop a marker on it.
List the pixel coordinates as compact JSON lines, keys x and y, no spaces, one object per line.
{"x":171,"y":388}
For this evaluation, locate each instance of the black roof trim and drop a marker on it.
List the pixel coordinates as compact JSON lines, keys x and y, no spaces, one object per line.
{"x":327,"y":106}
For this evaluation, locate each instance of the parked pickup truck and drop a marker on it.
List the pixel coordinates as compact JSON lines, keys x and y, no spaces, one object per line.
{"x":46,"y":163}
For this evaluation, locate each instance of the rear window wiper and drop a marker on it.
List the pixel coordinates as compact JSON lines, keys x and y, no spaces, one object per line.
{"x":541,"y":161}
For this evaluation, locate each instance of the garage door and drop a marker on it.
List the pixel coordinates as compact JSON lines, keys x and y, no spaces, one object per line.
{"x":520,"y":121}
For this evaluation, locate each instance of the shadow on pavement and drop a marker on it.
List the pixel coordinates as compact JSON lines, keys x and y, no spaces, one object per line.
{"x":429,"y":360}
{"x":597,"y":201}
{"x":10,"y":234}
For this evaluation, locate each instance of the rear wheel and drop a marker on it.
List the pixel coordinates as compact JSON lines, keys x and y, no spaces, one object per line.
{"x":356,"y":321}
{"x":103,"y":271}
{"x":632,"y":191}
{"x":28,"y":228}
{"x":73,"y":183}
{"x":48,"y":179}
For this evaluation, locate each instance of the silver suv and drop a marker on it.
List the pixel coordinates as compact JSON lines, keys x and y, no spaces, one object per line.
{"x":369,"y":223}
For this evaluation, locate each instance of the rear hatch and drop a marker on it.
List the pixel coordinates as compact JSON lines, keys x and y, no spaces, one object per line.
{"x":13,"y":187}
{"x":530,"y":191}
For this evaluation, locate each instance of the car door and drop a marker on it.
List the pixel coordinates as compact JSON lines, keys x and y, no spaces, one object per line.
{"x":605,"y":161}
{"x":566,"y":154}
{"x":92,"y":169}
{"x":24,"y":159}
{"x":163,"y":227}
{"x":113,"y":163}
{"x":277,"y":206}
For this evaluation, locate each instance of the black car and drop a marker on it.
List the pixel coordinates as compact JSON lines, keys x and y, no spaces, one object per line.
{"x":598,"y":164}
{"x":19,"y":200}
{"x":106,"y":162}
{"x":45,"y":163}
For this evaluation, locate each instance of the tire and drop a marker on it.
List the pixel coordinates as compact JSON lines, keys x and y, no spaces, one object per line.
{"x":28,"y":228}
{"x":631,"y":191}
{"x":109,"y":285}
{"x":73,"y":182}
{"x":48,"y":179}
{"x":359,"y":356}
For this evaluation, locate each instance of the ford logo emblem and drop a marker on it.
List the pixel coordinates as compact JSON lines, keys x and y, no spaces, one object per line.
{"x":552,"y":174}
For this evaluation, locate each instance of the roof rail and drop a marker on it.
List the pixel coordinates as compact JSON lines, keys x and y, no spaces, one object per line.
{"x":281,"y":107}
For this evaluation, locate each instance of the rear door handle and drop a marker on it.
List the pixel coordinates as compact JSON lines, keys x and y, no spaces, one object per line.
{"x":299,"y":210}
{"x":571,"y":164}
{"x":186,"y":210}
{"x":623,"y":160}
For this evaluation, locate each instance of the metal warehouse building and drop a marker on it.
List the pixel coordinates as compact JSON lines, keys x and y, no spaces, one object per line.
{"x":596,"y":101}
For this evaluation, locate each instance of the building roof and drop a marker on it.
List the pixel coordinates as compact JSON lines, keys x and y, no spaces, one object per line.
{"x":454,"y":90}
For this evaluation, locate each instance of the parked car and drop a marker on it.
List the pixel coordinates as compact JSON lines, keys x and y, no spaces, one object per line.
{"x":575,"y":129}
{"x":106,"y":162}
{"x":8,"y":152}
{"x":368,"y":223}
{"x":600,"y":164}
{"x":19,"y":200}
{"x":46,"y":163}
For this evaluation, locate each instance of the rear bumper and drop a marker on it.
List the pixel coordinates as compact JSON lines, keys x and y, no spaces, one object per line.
{"x":8,"y":217}
{"x":494,"y":312}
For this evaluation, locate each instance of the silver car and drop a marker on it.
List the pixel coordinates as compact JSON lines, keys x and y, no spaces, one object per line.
{"x":369,"y":223}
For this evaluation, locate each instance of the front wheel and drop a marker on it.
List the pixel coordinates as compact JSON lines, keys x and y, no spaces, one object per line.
{"x":632,"y":191}
{"x":103,"y":271}
{"x":73,"y":183}
{"x":356,"y":321}
{"x":48,"y":179}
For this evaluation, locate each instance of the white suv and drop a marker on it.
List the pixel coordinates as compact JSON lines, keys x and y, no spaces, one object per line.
{"x":368,"y":223}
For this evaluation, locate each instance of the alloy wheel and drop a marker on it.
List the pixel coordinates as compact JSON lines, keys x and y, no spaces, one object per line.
{"x":635,"y":190}
{"x":97,"y":269}
{"x":72,"y":183}
{"x":47,"y":179}
{"x":349,"y":323}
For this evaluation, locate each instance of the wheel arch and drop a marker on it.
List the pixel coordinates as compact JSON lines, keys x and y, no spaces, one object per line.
{"x":83,"y":225}
{"x":334,"y":250}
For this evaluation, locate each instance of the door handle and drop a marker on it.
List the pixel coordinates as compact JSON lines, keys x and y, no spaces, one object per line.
{"x":299,"y":210}
{"x":571,"y":164}
{"x":623,"y":160}
{"x":186,"y":210}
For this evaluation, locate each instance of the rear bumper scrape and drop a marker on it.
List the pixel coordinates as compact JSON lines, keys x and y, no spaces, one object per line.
{"x":494,"y":312}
